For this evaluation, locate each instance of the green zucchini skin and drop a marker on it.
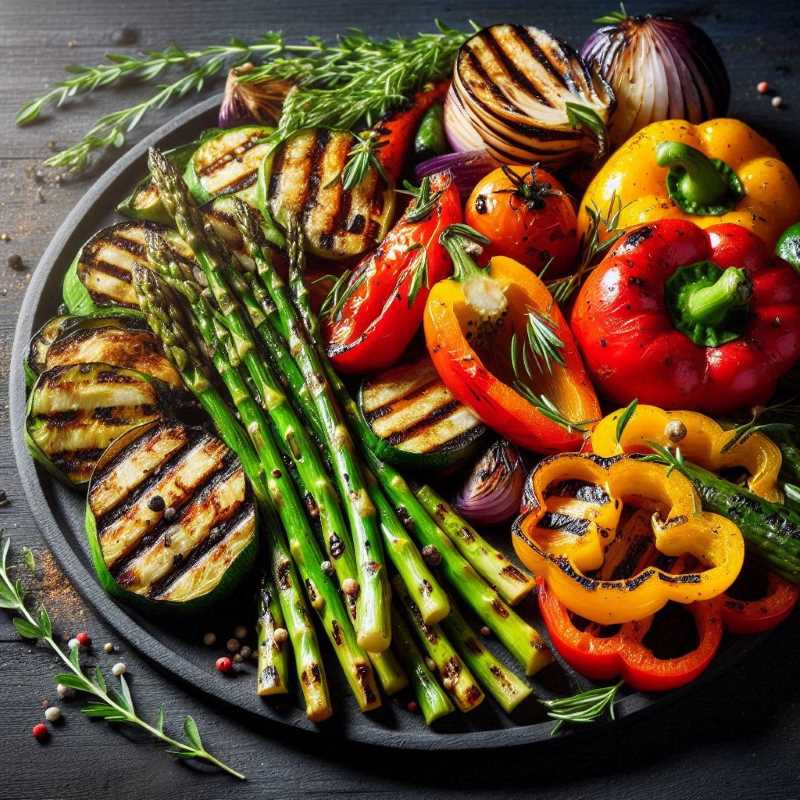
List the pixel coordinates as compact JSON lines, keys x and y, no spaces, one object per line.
{"x":301,"y":178}
{"x":771,"y":530}
{"x":143,"y":203}
{"x":226,"y":161}
{"x":415,"y":421}
{"x":74,"y":412}
{"x":100,"y":278}
{"x":237,"y":550}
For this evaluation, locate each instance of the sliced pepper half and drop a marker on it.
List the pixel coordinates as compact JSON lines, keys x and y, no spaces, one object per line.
{"x":564,"y":557}
{"x":702,"y":440}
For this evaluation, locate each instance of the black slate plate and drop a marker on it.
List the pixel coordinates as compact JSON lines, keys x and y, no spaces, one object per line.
{"x":176,"y":648}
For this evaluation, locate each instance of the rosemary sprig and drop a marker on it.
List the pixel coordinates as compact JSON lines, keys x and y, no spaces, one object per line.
{"x":359,"y":78}
{"x":591,"y":247}
{"x":663,"y":455}
{"x":583,"y":707}
{"x":547,"y":408}
{"x":110,"y":130}
{"x":356,"y":79}
{"x":419,"y":275}
{"x":540,"y":342}
{"x":614,"y":17}
{"x":340,"y":292}
{"x":746,"y":429}
{"x":425,"y":200}
{"x":625,"y":418}
{"x":111,"y":705}
{"x":363,"y":155}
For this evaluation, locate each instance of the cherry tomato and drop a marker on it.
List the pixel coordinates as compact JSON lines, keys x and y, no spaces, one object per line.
{"x":528,"y":216}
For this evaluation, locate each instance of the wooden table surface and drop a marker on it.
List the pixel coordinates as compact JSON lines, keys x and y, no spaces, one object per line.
{"x":738,"y":736}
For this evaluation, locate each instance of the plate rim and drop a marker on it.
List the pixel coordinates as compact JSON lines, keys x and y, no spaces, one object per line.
{"x":155,"y":652}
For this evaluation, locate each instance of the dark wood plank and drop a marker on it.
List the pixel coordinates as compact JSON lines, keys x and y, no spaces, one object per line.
{"x":737,"y":736}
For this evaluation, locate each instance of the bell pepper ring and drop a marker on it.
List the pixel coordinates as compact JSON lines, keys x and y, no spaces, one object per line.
{"x":681,"y":317}
{"x":469,"y":323}
{"x":564,"y":557}
{"x":702,"y":440}
{"x":624,"y":654}
{"x":717,"y":172}
{"x":762,"y":613}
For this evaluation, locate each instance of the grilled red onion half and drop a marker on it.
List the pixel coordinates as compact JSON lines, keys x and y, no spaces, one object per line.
{"x":467,"y":168}
{"x":526,"y":97}
{"x":493,"y":490}
{"x":660,"y":68}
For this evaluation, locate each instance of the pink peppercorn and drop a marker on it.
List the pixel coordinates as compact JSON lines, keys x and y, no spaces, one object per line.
{"x":224,"y":664}
{"x":84,"y":640}
{"x":762,"y":87}
{"x":40,"y":732}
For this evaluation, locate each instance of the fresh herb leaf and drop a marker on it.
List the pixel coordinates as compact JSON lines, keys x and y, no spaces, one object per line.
{"x":363,"y":155}
{"x":419,"y":275}
{"x":540,"y":341}
{"x":105,"y":705}
{"x":425,"y":201}
{"x":340,"y":293}
{"x":745,"y":430}
{"x":592,"y":247}
{"x":614,"y":17}
{"x":624,"y":419}
{"x":583,"y":707}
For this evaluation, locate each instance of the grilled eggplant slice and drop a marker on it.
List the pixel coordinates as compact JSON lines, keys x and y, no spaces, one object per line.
{"x":301,"y":178}
{"x":114,"y":344}
{"x":227,"y":162}
{"x":100,"y":277}
{"x":74,"y":412}
{"x":41,"y":341}
{"x":144,"y":202}
{"x":184,"y":559}
{"x":415,"y":420}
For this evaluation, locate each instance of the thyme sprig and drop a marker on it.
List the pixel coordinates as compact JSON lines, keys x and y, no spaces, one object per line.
{"x":108,"y":704}
{"x":583,"y":707}
{"x":592,"y":247}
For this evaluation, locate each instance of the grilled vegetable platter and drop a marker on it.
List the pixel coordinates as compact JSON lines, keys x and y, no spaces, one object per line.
{"x":476,"y":407}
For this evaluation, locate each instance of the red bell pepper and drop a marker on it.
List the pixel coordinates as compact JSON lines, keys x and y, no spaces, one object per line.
{"x":681,"y":317}
{"x":624,"y":654}
{"x":760,"y":613}
{"x":397,"y":131}
{"x":377,"y":320}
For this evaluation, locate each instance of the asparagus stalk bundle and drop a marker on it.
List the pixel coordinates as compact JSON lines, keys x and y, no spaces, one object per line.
{"x":501,"y":683}
{"x":405,"y":556}
{"x":180,"y":348}
{"x":456,"y":678}
{"x":374,"y":632}
{"x":432,"y":699}
{"x":322,"y":594}
{"x":520,"y":638}
{"x":512,"y":584}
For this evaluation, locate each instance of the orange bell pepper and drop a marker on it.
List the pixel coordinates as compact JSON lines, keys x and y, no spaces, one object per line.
{"x":715,"y":172}
{"x":472,"y":322}
{"x":564,"y":556}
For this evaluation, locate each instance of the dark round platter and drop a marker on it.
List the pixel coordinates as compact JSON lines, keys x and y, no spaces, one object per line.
{"x":177,"y":648}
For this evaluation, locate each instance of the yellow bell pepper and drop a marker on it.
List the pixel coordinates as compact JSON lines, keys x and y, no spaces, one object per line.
{"x":701,"y":439}
{"x":715,"y":172}
{"x":563,"y":557}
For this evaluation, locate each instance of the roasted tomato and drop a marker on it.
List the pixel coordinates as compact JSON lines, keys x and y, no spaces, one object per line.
{"x":528,"y":216}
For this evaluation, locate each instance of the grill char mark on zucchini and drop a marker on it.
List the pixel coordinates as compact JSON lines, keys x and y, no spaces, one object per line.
{"x":229,"y":162}
{"x":106,"y":262}
{"x":117,"y":346}
{"x":158,"y":556}
{"x":415,"y":418}
{"x":303,"y":180}
{"x":75,"y":411}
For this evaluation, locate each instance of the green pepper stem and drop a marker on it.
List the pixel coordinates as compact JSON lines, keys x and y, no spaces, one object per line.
{"x":708,"y":305}
{"x":701,"y":182}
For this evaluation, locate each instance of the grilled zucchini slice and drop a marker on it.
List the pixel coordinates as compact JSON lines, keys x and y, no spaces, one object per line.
{"x":184,"y":559}
{"x":227,"y":161}
{"x":41,"y":341}
{"x":100,"y":277}
{"x":111,"y":341}
{"x":74,"y":412}
{"x":415,"y":420}
{"x":301,"y":177}
{"x":144,"y":202}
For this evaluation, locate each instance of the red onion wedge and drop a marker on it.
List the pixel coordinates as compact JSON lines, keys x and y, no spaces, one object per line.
{"x":467,"y":168}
